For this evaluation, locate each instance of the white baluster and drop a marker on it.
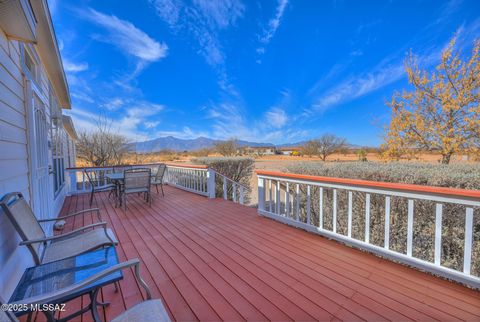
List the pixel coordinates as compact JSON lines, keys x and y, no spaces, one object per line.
{"x":438,"y":233}
{"x":467,"y":249}
{"x":410,"y":228}
{"x":349,"y":220}
{"x":297,"y":202}
{"x":334,"y":219}
{"x":367,"y":218}
{"x":387,"y":223}
{"x":309,"y":210}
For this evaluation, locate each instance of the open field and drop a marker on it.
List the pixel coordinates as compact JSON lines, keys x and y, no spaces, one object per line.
{"x":278,"y":162}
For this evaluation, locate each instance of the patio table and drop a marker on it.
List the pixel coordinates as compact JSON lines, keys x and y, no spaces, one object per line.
{"x":117,"y":179}
{"x":57,"y":275}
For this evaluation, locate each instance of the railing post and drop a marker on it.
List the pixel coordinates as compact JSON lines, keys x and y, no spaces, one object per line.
{"x":72,"y":174}
{"x":225,"y":188}
{"x":261,"y":193}
{"x":211,"y":183}
{"x":242,"y":195}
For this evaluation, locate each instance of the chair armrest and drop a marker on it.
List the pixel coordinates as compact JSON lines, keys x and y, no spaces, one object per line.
{"x":57,"y":295}
{"x":81,"y":212}
{"x":69,"y":234}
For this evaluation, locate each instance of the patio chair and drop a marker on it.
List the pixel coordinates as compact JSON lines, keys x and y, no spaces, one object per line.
{"x":149,"y":310}
{"x":48,"y":249}
{"x":157,"y":179}
{"x":136,"y":181}
{"x":99,"y":184}
{"x":121,"y":168}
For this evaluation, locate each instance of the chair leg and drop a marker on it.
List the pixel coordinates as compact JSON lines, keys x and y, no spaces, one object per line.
{"x":156,"y":186}
{"x":161,"y":186}
{"x":91,"y":198}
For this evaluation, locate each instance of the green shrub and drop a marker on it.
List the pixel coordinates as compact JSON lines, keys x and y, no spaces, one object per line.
{"x":463,"y":176}
{"x":239,"y":169}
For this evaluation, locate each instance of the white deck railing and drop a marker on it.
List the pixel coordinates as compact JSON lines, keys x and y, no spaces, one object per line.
{"x":197,"y":179}
{"x":289,"y":198}
{"x":231,"y":190}
{"x":189,"y":177}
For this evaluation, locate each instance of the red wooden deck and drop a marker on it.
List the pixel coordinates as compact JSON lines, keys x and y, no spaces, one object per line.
{"x":217,"y":260}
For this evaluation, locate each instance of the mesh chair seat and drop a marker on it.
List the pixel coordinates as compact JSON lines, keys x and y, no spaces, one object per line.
{"x":133,"y":190}
{"x":157,"y":180}
{"x":43,"y":248}
{"x":150,"y":310}
{"x":136,"y":181}
{"x":79,"y":244}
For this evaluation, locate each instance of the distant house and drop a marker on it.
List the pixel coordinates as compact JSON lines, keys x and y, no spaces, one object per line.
{"x":36,"y":140}
{"x":259,"y":150}
{"x":288,"y":151}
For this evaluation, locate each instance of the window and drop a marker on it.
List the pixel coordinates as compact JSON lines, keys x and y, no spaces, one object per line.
{"x":30,"y":63}
{"x":58,"y":146}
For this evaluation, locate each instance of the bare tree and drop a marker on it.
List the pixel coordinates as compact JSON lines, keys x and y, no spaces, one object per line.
{"x":227,"y":148}
{"x":101,"y":147}
{"x":310,"y":148}
{"x":329,"y":144}
{"x":324,"y":146}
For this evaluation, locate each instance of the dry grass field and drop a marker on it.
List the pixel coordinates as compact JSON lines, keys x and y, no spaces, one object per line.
{"x":277,"y":162}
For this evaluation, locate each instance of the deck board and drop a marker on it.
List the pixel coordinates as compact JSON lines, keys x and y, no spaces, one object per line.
{"x":211,"y":259}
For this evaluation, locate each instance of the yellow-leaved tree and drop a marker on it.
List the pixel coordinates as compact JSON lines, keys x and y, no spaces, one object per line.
{"x":442,"y":112}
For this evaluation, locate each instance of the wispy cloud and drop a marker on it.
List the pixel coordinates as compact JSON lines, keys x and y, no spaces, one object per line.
{"x":220,"y":14}
{"x":128,"y":38}
{"x":71,"y":67}
{"x":185,"y":133}
{"x":230,"y":121}
{"x":276,"y":117}
{"x":272,"y":26}
{"x":360,"y":85}
{"x":204,"y":20}
{"x":137,"y":122}
{"x":82,"y":96}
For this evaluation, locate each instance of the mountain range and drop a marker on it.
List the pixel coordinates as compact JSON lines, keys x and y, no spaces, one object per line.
{"x":180,"y":145}
{"x":176,"y":144}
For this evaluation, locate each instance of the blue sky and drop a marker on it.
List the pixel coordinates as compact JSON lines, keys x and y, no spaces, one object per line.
{"x":267,"y":71}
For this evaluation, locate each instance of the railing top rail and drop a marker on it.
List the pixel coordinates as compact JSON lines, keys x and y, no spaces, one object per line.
{"x":444,"y":191}
{"x":192,"y":166}
{"x":231,"y":180}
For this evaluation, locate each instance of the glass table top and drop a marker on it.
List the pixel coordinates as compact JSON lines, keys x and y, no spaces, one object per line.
{"x":56,"y":275}
{"x":115,"y":176}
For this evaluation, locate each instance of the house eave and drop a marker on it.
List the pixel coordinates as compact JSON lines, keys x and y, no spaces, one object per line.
{"x":49,"y":53}
{"x":69,"y":127}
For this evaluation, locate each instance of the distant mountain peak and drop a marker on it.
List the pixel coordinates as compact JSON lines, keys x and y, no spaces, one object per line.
{"x":176,"y":144}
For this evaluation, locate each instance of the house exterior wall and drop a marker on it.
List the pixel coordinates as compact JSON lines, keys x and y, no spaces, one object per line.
{"x":15,"y":156}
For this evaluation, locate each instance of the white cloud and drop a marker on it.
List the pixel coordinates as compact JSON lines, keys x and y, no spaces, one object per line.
{"x":168,"y":10}
{"x":151,"y":124}
{"x":71,"y":67}
{"x":358,"y":86}
{"x":128,"y":38}
{"x":203,"y":20}
{"x":82,"y":96}
{"x":276,"y":117}
{"x":136,"y":123}
{"x":220,"y":14}
{"x":114,"y":103}
{"x":229,"y":120}
{"x":272,"y":26}
{"x":185,"y":133}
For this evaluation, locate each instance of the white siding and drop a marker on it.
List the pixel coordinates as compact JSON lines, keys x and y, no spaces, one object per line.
{"x":14,"y":159}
